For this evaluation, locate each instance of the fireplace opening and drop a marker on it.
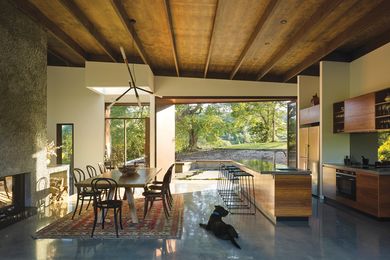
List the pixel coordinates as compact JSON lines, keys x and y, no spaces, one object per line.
{"x":12,"y":200}
{"x":6,"y":193}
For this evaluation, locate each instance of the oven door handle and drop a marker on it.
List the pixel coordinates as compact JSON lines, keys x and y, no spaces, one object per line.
{"x":338,"y":174}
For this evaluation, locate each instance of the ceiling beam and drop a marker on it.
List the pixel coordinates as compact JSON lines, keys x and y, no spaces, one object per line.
{"x":212,"y":38}
{"x":32,"y":11}
{"x":290,"y":42}
{"x":129,"y":25}
{"x":88,"y":25}
{"x":380,"y":10}
{"x":171,"y":34}
{"x":267,"y":13}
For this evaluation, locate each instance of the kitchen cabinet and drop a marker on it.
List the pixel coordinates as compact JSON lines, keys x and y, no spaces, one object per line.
{"x":359,"y":113}
{"x":367,"y":194}
{"x":372,"y":189}
{"x":329,"y":182}
{"x":310,"y":115}
{"x":382,"y":109}
{"x":338,"y":117}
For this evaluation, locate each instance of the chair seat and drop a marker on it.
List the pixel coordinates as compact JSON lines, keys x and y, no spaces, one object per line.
{"x":155,"y":187}
{"x":152,"y":193}
{"x":86,"y":193}
{"x":109,"y":204}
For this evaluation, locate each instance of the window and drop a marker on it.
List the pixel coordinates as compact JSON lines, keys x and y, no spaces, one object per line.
{"x":125,"y":134}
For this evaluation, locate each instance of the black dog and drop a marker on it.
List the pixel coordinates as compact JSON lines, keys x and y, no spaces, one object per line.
{"x":220,"y":228}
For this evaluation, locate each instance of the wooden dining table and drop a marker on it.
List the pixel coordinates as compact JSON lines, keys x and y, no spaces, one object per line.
{"x":139,"y":179}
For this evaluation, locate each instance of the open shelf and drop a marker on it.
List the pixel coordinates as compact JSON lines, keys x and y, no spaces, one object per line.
{"x":382,"y":109}
{"x":338,"y":117}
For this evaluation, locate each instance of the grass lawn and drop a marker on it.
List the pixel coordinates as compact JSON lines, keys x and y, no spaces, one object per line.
{"x":274,"y":145}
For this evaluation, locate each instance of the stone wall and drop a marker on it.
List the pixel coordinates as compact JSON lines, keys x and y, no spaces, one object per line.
{"x":23,"y":50}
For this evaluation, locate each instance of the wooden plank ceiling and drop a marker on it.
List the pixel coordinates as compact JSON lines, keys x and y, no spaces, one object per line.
{"x":268,"y":40}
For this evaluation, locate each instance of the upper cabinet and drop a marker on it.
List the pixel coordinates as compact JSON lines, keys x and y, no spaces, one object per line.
{"x":366,"y":113}
{"x":359,"y":113}
{"x":382,"y":109}
{"x":338,"y":117}
{"x":310,"y":115}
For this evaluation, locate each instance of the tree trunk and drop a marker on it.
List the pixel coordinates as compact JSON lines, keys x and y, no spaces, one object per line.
{"x":192,"y":140}
{"x":273,"y":124}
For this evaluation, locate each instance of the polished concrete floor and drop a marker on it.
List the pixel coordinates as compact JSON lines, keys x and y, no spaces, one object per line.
{"x":332,"y":233}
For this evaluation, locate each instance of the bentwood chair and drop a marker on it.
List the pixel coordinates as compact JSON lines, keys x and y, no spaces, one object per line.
{"x":102,"y":168}
{"x":82,"y":193}
{"x":157,"y":183}
{"x":91,"y":171}
{"x":104,"y":203}
{"x":159,"y":191}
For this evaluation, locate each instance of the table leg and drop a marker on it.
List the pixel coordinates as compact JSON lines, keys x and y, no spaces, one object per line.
{"x":130,"y":200}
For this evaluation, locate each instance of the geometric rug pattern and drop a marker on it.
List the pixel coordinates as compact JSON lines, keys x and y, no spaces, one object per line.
{"x":154,"y":226}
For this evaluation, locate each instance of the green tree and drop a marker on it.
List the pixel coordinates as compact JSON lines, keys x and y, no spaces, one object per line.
{"x":384,"y":148}
{"x":195,"y":123}
{"x":132,"y":120}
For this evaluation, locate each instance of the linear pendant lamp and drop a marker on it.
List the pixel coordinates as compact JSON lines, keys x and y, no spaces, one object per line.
{"x":131,"y":84}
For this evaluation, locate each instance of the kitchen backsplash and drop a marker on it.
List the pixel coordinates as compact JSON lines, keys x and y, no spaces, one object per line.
{"x":364,"y":144}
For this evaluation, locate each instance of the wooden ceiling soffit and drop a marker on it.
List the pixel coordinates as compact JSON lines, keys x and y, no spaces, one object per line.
{"x":382,"y":39}
{"x":267,"y":13}
{"x":38,"y":16}
{"x":129,"y":25}
{"x":380,"y":10}
{"x":88,"y":25}
{"x":60,"y":57}
{"x":172,"y":36}
{"x":322,"y":12}
{"x":212,"y":38}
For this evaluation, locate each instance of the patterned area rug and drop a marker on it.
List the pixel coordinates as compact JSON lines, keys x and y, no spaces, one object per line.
{"x":154,"y":226}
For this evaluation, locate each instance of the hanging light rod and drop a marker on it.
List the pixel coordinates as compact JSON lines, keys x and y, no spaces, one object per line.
{"x":131,"y":84}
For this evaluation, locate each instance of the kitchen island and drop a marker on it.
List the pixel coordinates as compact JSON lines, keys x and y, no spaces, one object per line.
{"x":282,"y":193}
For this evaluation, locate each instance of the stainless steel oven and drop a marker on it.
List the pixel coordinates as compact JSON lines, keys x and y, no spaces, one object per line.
{"x":346,"y":184}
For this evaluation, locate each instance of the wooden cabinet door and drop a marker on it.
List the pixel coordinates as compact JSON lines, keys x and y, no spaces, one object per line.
{"x":359,"y":113}
{"x":303,"y":142}
{"x":367,"y":192}
{"x":329,"y":182}
{"x":309,"y":115}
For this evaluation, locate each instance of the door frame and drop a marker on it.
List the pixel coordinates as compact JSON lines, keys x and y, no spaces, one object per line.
{"x":59,"y":153}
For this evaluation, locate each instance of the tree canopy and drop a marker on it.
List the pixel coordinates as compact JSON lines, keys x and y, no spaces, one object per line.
{"x":223,"y":124}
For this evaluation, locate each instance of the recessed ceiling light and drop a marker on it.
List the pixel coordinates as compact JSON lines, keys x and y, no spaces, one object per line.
{"x":283,"y":21}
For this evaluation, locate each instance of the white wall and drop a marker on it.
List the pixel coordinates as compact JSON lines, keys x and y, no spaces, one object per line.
{"x":334,"y":87}
{"x":173,"y":86}
{"x":165,"y":136}
{"x":69,"y":101}
{"x":308,"y":86}
{"x":370,"y":72}
{"x":106,"y":74}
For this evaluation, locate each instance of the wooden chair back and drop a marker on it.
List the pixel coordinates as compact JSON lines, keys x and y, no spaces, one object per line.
{"x":91,"y":171}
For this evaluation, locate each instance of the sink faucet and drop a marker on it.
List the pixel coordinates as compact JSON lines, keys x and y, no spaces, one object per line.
{"x":274,"y":158}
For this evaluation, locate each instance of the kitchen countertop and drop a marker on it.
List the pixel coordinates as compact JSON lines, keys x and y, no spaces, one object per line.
{"x":370,"y":169}
{"x":271,"y":170}
{"x":287,"y":171}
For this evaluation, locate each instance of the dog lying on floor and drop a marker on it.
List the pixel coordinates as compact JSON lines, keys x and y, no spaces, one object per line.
{"x":220,"y":228}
